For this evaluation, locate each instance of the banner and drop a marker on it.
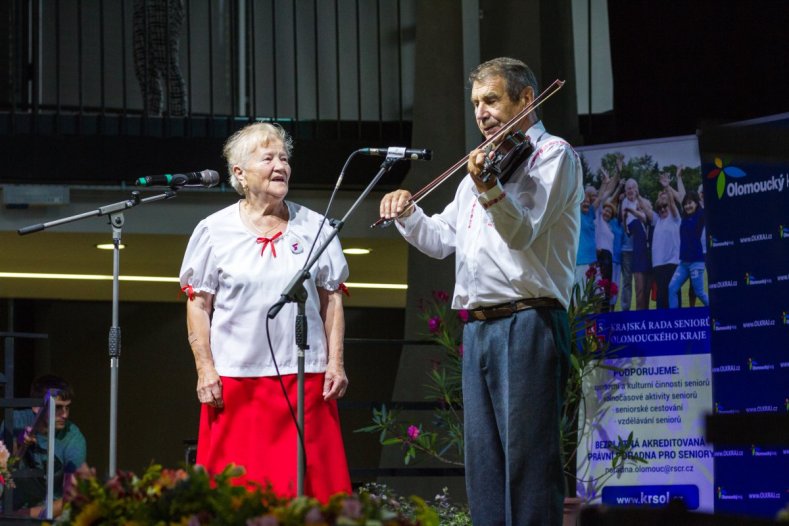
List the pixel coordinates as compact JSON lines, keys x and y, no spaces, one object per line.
{"x":659,"y":390}
{"x":746,"y":178}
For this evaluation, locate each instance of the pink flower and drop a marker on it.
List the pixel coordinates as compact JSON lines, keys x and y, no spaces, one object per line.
{"x":463,"y":315}
{"x":413,"y":432}
{"x":441,"y":296}
{"x":613,"y":289}
{"x":591,"y":272}
{"x":434,"y":324}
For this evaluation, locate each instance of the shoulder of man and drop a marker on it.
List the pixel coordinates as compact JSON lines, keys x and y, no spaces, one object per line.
{"x":549,"y":145}
{"x":72,"y":434}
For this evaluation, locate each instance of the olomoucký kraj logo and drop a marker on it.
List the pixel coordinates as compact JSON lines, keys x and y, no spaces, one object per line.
{"x":721,"y":171}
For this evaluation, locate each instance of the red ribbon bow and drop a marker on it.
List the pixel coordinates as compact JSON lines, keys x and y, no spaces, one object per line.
{"x":266,"y":241}
{"x":189,"y":291}
{"x":344,"y":289}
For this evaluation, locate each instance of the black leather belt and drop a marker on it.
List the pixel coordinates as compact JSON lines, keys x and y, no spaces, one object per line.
{"x":508,"y":309}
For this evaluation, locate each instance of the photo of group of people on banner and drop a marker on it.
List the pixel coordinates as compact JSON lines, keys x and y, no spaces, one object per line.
{"x":642,"y":224}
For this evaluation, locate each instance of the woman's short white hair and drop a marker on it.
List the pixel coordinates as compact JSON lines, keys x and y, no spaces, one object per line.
{"x":241,"y":144}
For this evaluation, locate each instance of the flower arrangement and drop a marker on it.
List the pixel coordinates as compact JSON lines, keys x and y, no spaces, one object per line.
{"x":448,"y":513}
{"x":191,"y":497}
{"x":6,"y":461}
{"x":443,"y":439}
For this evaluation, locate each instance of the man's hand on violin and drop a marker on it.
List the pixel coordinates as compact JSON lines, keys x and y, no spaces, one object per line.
{"x":396,"y":205}
{"x":475,"y":166}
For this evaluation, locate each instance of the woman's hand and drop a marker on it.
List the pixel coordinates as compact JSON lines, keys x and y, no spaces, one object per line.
{"x":209,"y":387}
{"x":335,"y":383}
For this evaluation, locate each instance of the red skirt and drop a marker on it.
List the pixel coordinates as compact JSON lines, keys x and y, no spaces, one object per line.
{"x":255,"y":430}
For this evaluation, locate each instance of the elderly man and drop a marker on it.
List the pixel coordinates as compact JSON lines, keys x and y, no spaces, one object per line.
{"x":515,"y":246}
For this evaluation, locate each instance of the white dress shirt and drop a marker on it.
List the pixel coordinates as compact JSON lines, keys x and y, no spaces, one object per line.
{"x":517,"y":240}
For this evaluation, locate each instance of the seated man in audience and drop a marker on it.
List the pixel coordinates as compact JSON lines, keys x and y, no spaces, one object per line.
{"x":30,"y":430}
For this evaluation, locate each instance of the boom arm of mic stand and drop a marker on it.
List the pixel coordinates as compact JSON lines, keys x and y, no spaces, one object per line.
{"x":289,"y":294}
{"x":104,"y":210}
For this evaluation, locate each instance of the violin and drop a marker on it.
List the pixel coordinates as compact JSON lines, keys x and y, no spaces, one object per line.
{"x":511,"y":152}
{"x":509,"y":147}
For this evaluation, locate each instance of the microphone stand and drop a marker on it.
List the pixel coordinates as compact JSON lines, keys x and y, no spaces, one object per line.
{"x":295,"y":292}
{"x":115,"y":211}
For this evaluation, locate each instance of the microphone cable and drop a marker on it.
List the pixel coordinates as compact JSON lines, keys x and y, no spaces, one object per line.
{"x":293,"y":415}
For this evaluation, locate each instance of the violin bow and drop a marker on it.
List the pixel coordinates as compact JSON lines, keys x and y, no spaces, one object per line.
{"x":493,"y":140}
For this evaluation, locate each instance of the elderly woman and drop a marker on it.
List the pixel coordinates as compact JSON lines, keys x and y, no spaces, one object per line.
{"x":237,"y":263}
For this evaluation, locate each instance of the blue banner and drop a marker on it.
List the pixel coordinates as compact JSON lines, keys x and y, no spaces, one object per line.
{"x":746,"y":181}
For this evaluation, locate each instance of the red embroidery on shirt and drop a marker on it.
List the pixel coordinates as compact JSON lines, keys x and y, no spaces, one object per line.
{"x":344,"y":289}
{"x":189,"y":291}
{"x":492,"y":202}
{"x":536,"y":154}
{"x":266,"y":241}
{"x":471,"y":215}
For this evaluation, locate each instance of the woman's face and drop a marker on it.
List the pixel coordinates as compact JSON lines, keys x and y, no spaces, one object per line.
{"x":662,"y":207}
{"x":266,"y":171}
{"x":608,"y":213}
{"x":689,"y":206}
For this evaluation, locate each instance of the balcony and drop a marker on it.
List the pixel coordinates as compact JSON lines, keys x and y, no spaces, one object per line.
{"x":105,"y":91}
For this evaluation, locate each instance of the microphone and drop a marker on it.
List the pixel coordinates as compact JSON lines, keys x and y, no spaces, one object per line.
{"x":397,"y":152}
{"x":206,"y":178}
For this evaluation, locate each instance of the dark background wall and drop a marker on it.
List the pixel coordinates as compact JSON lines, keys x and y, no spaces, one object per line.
{"x":679,"y":64}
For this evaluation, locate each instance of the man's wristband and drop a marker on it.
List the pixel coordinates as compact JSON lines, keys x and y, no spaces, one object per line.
{"x":492,"y":202}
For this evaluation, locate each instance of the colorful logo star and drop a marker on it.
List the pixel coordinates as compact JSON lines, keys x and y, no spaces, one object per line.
{"x":721,"y":172}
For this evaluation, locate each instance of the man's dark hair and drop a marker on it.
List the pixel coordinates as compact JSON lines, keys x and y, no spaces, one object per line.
{"x":516,"y":74}
{"x":43,"y":383}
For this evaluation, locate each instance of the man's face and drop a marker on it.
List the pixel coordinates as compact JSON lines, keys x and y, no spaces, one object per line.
{"x":631,"y":189}
{"x":62,"y":408}
{"x":493,"y":107}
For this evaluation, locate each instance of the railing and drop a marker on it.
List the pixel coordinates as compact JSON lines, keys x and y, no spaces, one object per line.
{"x":344,"y":67}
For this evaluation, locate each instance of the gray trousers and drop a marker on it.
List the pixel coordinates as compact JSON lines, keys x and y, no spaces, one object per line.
{"x":514,"y":374}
